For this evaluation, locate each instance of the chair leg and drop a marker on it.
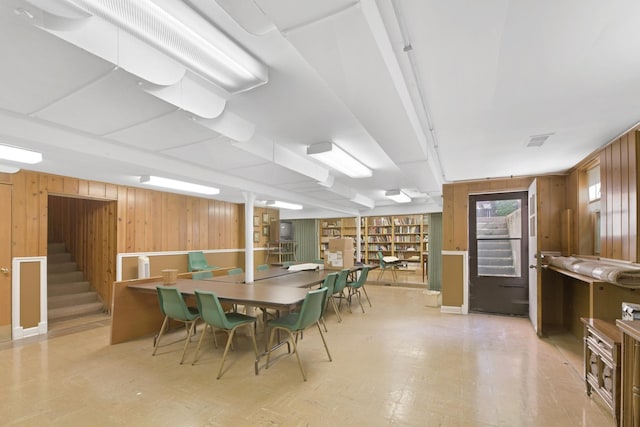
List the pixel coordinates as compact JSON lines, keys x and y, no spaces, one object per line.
{"x":192,"y":326}
{"x":325,"y":343}
{"x":336,"y":309}
{"x":270,"y":346}
{"x":226,"y":350}
{"x":357,"y":292}
{"x":164,"y":324}
{"x":295,"y":350}
{"x":255,"y":345}
{"x":349,"y":299}
{"x":380,"y":273}
{"x":367,"y":295}
{"x":324,"y":323}
{"x":204,"y":331}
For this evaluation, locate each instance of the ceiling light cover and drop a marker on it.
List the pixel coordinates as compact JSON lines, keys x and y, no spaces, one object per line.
{"x":335,"y":157}
{"x":283,"y":205}
{"x":538,"y":140}
{"x":184,"y":35}
{"x":178,"y":185}
{"x":397,"y":196}
{"x":20,"y":155}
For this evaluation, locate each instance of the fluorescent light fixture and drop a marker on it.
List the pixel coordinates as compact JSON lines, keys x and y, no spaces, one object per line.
{"x":8,"y":169}
{"x":398,"y":196}
{"x":178,"y":185}
{"x":335,"y":157}
{"x":363,"y":200}
{"x":283,"y":205}
{"x":19,"y":155}
{"x":183,"y":34}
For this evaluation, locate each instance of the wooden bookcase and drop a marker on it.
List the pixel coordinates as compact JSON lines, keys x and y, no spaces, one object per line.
{"x":402,"y":236}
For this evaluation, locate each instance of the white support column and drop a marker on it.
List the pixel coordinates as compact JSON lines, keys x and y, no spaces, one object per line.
{"x":358,"y":237}
{"x":249,"y":201}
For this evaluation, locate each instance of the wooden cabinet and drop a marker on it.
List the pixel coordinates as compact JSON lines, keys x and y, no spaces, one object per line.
{"x":602,"y":342}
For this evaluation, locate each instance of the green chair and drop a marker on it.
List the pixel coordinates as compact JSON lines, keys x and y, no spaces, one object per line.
{"x":309,"y":314}
{"x":387,"y":266}
{"x":288,"y":264}
{"x":201,"y":275}
{"x":341,"y":284}
{"x":318,"y":261}
{"x":262,"y":267}
{"x":329,"y":283}
{"x":214,"y":316}
{"x":196,"y":261}
{"x":235,"y":271}
{"x":354,"y":288}
{"x":172,"y":306}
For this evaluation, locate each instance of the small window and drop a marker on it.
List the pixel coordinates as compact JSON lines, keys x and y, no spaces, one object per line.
{"x":593,"y":179}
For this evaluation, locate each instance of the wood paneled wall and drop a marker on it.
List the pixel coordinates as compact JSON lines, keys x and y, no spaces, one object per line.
{"x":619,"y":202}
{"x":455,"y":215}
{"x":143,"y":220}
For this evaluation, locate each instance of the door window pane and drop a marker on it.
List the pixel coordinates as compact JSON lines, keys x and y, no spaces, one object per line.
{"x":498,"y":237}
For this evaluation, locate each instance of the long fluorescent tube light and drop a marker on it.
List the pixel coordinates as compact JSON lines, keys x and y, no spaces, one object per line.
{"x":335,"y":157}
{"x":181,"y":33}
{"x":398,"y":196}
{"x":178,"y":185}
{"x":283,"y":205}
{"x":19,"y":155}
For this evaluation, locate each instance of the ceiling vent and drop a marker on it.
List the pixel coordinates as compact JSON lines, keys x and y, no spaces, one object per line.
{"x":538,"y":140}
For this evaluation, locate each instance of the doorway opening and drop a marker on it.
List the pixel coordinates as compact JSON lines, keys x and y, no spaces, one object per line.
{"x":498,"y":248}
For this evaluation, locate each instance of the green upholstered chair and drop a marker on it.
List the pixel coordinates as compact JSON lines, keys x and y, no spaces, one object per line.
{"x":309,"y":314}
{"x":329,"y":283}
{"x":262,"y":267}
{"x":196,"y":261}
{"x":214,"y":316}
{"x":354,"y":288}
{"x":235,"y":271}
{"x":172,"y":305}
{"x":200,"y":275}
{"x":386,"y":266}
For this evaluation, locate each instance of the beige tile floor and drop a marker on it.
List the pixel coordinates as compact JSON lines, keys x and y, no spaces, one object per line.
{"x":400,"y":363}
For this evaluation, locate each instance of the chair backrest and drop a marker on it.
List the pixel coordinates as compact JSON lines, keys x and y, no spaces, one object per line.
{"x":199,"y":275}
{"x":211,"y":310}
{"x":311,"y":309}
{"x":197,"y":261}
{"x":172,"y":304}
{"x":287,"y":263}
{"x":262,"y":267}
{"x":329,"y":283}
{"x":235,"y":271}
{"x":362,"y":279}
{"x":341,"y":280}
{"x":381,"y":259}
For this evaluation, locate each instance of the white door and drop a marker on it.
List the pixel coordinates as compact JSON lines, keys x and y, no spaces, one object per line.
{"x":534,"y":265}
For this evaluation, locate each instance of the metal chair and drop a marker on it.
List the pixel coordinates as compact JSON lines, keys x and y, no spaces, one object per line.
{"x":355,"y":286}
{"x":200,"y":275}
{"x":262,"y":267}
{"x":309,"y":314}
{"x":214,"y":316}
{"x":341,"y":284}
{"x":329,"y":283}
{"x":235,"y":271}
{"x":172,"y":305}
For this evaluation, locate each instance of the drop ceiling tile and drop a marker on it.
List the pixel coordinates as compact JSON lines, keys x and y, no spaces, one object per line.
{"x":218,"y":154}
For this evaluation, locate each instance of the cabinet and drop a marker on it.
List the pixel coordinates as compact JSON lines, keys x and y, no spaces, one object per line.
{"x":602,"y":342}
{"x":281,"y":251}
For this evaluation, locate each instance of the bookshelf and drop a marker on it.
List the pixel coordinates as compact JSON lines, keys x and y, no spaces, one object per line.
{"x":402,"y":236}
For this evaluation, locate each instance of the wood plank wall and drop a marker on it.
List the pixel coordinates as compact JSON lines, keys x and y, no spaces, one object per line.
{"x":145,"y":221}
{"x":619,"y":202}
{"x":455,"y":214}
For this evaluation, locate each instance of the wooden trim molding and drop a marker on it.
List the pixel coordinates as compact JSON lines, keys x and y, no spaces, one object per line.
{"x":18,"y":331}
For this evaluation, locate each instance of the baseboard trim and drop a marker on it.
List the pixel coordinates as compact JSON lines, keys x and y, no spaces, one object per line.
{"x":451,"y":309}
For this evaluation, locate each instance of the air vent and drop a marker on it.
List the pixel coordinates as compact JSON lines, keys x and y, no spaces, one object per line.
{"x":538,"y":140}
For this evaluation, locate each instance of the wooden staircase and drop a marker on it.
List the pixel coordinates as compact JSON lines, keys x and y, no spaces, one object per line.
{"x":69,"y":294}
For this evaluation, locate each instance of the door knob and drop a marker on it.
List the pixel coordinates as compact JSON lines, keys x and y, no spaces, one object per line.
{"x":533,"y":266}
{"x":4,"y":270}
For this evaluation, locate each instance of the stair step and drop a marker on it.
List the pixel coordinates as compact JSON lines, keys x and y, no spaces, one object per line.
{"x":496,"y":270}
{"x":56,"y":248}
{"x":56,"y":289}
{"x":67,"y":300}
{"x":71,"y":276}
{"x":58,"y":257}
{"x":506,"y":261}
{"x":74,"y":311}
{"x":61,"y":267}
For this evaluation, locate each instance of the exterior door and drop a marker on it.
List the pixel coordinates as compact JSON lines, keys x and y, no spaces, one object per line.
{"x":498,"y":273}
{"x":5,"y":263}
{"x":534,"y":265}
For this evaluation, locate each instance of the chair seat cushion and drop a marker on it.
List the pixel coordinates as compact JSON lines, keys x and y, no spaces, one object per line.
{"x":285,"y":322}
